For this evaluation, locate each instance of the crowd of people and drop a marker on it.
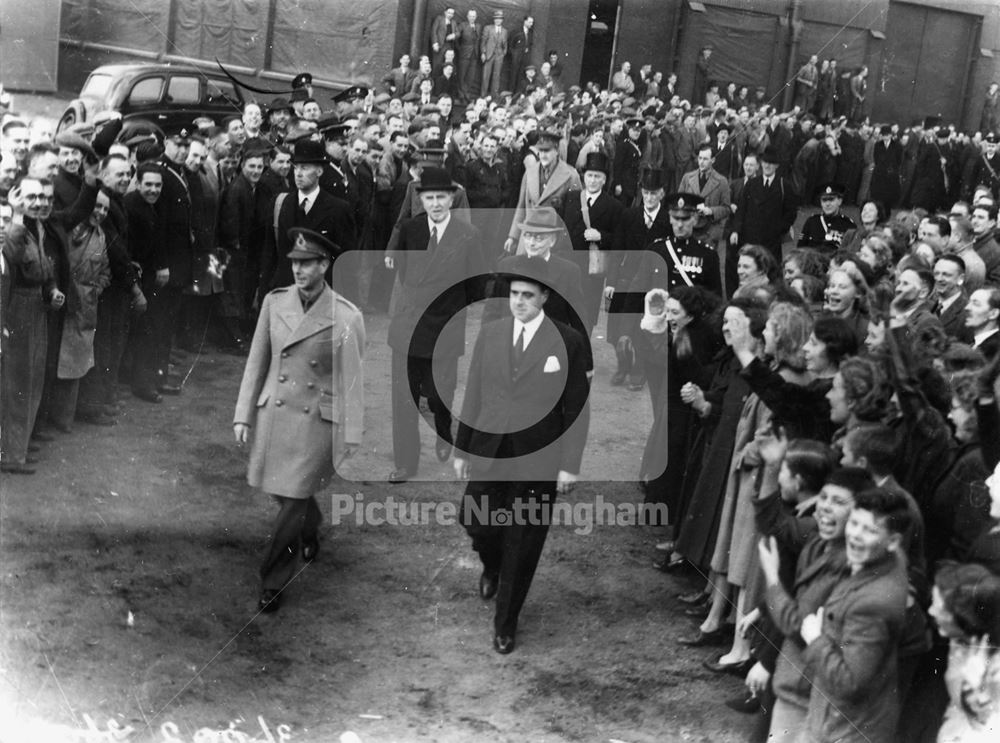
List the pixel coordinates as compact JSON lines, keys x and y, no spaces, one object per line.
{"x":825,"y":416}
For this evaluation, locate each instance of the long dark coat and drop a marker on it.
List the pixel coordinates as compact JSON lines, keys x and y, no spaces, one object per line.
{"x":887,"y":173}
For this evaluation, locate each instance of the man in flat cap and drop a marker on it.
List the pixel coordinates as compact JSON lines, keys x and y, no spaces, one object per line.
{"x":827,"y":230}
{"x":521,"y":438}
{"x":73,"y":148}
{"x":492,"y":51}
{"x":301,"y":404}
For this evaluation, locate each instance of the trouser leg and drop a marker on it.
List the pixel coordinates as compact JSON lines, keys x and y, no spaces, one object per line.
{"x":282,"y":552}
{"x":405,"y":430}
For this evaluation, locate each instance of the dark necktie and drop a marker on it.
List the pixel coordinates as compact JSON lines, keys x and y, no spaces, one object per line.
{"x":303,"y":205}
{"x":590,"y":202}
{"x":518,"y":354}
{"x":767,"y":184}
{"x":702,"y":180}
{"x":434,"y":239}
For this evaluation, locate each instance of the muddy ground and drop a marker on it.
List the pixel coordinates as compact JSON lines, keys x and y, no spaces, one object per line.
{"x":383,"y":635}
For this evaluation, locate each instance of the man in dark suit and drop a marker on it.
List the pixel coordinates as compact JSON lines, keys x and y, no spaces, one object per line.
{"x":950,"y":296}
{"x":639,"y":227}
{"x":982,"y":318}
{"x":444,"y":35}
{"x":468,"y":56}
{"x":493,"y":50}
{"x":521,"y":42}
{"x":521,"y":439}
{"x":437,"y":269}
{"x":766,"y":210}
{"x":309,"y":207}
{"x":591,"y":221}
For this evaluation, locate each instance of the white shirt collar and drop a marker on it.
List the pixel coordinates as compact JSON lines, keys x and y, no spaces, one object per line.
{"x":979,"y":337}
{"x":946,"y":303}
{"x":310,"y":198}
{"x":652,"y":214}
{"x":530,"y":328}
{"x":441,"y":226}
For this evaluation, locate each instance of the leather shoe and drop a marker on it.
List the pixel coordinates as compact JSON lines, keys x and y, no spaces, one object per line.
{"x":674,"y":565}
{"x":488,"y":583}
{"x":695,"y":598}
{"x":310,"y":550}
{"x":706,"y":639}
{"x":443,"y":450}
{"x":170,"y":389}
{"x":148,"y":395}
{"x":16,"y":468}
{"x":739,"y":670}
{"x":747,"y":704}
{"x":503,"y":644}
{"x":270,"y":601}
{"x":698,"y":611}
{"x":401,"y":475}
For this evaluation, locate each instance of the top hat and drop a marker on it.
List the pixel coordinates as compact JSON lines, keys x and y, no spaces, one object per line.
{"x":302,"y":80}
{"x":435,"y":179}
{"x":542,"y":219}
{"x":596,"y":161}
{"x":885,"y":130}
{"x":686,"y":203}
{"x":651,"y":179}
{"x":308,"y":152}
{"x":307,"y":245}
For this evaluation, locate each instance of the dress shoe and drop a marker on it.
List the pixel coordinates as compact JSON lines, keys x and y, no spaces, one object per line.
{"x":148,"y":395}
{"x":488,"y":583}
{"x":740,"y":669}
{"x":672,"y":565}
{"x":400,"y":475}
{"x":695,"y":598}
{"x":170,"y":389}
{"x":707,"y":639}
{"x":43,"y":436}
{"x":746,"y":704}
{"x":503,"y":644}
{"x":443,"y":450}
{"x":270,"y":601}
{"x":16,"y":468}
{"x":310,"y":549}
{"x":618,"y":379}
{"x":698,"y":611}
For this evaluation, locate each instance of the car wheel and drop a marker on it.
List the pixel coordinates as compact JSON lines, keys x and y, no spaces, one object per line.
{"x":69,"y":118}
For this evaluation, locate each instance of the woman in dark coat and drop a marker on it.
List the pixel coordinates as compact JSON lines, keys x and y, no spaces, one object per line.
{"x":686,"y":351}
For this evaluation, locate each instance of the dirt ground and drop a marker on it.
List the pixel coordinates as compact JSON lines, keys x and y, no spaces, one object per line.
{"x":128,"y":593}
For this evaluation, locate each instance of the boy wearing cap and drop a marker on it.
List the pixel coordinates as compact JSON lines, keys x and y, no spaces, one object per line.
{"x":828,"y":229}
{"x":301,"y":403}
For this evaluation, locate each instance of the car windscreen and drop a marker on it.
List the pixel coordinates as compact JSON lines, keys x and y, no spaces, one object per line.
{"x":96,"y":86}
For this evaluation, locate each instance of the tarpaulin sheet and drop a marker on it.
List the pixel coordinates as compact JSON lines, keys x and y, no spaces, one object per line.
{"x":849,"y":46}
{"x":342,"y":41}
{"x":133,"y":24}
{"x":235,"y":31}
{"x":743,"y":47}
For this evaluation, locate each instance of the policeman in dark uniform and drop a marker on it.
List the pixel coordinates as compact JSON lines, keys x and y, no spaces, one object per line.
{"x":987,"y":168}
{"x":334,"y":133}
{"x":689,"y":260}
{"x":826,"y":230}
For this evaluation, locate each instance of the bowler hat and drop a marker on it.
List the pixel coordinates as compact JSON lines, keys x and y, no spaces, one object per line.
{"x":308,"y":152}
{"x":279,"y":104}
{"x":885,"y":130}
{"x":770,"y":155}
{"x":942,"y":132}
{"x":435,"y":179}
{"x":683,"y":202}
{"x":307,"y":244}
{"x":542,"y":219}
{"x":651,"y":179}
{"x":596,"y":161}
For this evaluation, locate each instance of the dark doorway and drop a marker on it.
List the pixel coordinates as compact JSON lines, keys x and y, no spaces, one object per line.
{"x":599,"y":42}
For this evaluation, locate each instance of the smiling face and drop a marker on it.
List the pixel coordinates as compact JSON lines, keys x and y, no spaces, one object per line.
{"x":833,"y":507}
{"x":677,"y":316}
{"x":815,"y":354}
{"x":840,"y":294}
{"x":868,"y":538}
{"x":746,"y":269}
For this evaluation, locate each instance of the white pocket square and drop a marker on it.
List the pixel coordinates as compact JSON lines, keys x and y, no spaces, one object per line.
{"x":551,"y":365}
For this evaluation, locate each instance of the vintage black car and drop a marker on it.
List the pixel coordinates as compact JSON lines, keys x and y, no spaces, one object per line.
{"x":168,"y":96}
